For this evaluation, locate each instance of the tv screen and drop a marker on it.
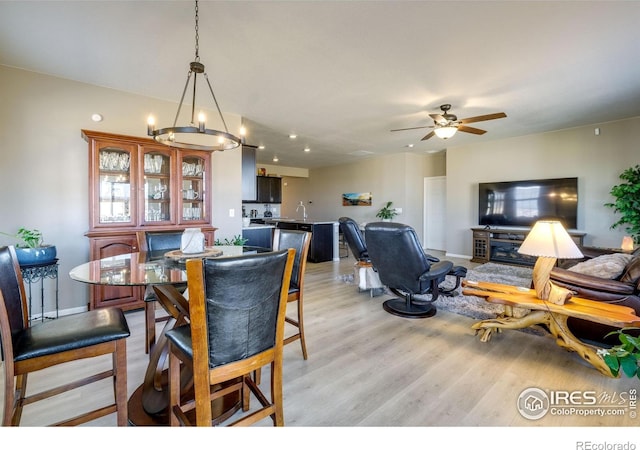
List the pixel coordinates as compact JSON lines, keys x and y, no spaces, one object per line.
{"x":522,"y":203}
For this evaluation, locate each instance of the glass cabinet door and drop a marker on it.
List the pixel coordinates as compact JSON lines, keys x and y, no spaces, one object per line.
{"x":157,"y":186}
{"x":114,"y":186}
{"x":194,"y":186}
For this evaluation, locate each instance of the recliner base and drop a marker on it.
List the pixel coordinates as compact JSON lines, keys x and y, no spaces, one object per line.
{"x":399,"y":307}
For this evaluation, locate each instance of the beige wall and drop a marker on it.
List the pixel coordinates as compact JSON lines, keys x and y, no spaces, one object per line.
{"x":398,"y":178}
{"x":44,"y":162}
{"x":597,"y":161}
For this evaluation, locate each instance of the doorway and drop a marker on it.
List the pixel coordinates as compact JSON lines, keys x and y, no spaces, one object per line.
{"x":435,"y":198}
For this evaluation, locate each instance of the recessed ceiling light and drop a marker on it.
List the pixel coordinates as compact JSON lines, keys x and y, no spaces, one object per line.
{"x":409,"y":145}
{"x":96,"y":117}
{"x":275,"y":159}
{"x":307,"y":149}
{"x":260,"y":147}
{"x":293,"y":136}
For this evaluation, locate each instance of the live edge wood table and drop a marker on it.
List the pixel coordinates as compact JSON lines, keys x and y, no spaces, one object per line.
{"x":553,"y":316}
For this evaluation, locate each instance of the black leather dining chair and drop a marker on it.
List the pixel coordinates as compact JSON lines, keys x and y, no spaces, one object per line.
{"x":155,"y":244}
{"x":237,"y":308}
{"x":27,"y":349}
{"x":405,"y":268}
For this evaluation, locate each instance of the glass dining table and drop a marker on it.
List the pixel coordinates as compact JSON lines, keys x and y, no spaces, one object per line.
{"x":162,"y":272}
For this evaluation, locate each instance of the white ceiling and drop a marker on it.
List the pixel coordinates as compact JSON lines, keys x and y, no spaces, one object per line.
{"x":342,"y":74}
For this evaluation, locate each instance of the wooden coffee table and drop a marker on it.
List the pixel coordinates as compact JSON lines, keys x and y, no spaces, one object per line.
{"x":553,"y":316}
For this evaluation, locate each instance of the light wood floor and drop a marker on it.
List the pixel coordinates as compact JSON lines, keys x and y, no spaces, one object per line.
{"x":368,"y":368}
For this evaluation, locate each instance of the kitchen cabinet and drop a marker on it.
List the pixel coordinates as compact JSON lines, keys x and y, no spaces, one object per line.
{"x":321,"y":249}
{"x":138,"y":184}
{"x":269,"y":190}
{"x":249,"y":181}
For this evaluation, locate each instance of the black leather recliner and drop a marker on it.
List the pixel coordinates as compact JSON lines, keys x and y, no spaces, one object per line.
{"x":351,"y":232}
{"x":406,"y":269}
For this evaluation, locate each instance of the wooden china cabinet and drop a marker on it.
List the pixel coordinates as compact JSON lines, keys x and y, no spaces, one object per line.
{"x":137,"y":184}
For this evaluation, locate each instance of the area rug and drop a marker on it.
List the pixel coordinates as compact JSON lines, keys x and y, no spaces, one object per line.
{"x":471,"y":306}
{"x":477,"y":307}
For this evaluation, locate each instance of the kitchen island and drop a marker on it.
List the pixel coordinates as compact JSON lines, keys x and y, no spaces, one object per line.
{"x":324,"y":236}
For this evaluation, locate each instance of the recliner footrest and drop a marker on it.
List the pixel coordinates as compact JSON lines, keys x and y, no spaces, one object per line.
{"x":456,"y":271}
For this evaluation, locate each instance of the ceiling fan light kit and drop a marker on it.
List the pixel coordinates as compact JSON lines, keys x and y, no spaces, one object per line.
{"x":194,"y":136}
{"x":446,"y":125}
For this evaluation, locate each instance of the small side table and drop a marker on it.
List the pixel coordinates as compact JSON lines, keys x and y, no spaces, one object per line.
{"x":31,"y":274}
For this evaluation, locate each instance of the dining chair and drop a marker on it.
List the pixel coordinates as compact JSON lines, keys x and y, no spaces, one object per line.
{"x":237,"y":307}
{"x":300,"y":241}
{"x":74,"y":337}
{"x":156,"y":243}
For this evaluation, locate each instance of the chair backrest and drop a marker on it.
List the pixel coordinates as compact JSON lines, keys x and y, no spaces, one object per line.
{"x":240,"y":302}
{"x":155,"y":241}
{"x":300,"y":241}
{"x":396,"y":254}
{"x":351,"y":232}
{"x":14,"y":315}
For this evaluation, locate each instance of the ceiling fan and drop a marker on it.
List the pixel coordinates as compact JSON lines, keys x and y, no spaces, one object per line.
{"x":445,"y":125}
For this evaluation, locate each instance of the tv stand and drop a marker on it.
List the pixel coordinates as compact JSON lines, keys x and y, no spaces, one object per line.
{"x":500,"y":245}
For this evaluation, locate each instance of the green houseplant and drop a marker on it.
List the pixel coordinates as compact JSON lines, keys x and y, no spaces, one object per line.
{"x":236,"y":240}
{"x":627,"y":202}
{"x":31,"y":249}
{"x":625,"y":356}
{"x":387,"y":212}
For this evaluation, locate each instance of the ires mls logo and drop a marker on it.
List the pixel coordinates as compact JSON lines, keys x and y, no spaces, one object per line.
{"x":535,"y":403}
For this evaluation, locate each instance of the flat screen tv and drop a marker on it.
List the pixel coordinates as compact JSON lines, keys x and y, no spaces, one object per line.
{"x":522,"y":203}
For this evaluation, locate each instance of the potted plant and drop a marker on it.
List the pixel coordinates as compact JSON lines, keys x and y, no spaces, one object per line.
{"x":236,"y":240}
{"x":387,"y":213}
{"x":625,"y":356}
{"x":31,"y":249}
{"x":627,"y":202}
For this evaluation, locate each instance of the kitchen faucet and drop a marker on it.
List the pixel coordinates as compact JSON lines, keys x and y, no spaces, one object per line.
{"x":304,"y":210}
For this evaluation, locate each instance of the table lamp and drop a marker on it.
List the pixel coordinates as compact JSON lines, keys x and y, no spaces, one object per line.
{"x":548,"y":240}
{"x":627,"y":244}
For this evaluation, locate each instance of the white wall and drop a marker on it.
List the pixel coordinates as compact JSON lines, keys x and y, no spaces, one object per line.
{"x":44,"y":162}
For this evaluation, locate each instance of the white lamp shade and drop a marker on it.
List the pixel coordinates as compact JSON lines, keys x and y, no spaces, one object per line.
{"x":445,"y":132}
{"x":549,"y":238}
{"x":627,"y":243}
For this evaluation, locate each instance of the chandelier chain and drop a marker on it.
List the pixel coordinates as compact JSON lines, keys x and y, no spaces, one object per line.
{"x":197,"y":36}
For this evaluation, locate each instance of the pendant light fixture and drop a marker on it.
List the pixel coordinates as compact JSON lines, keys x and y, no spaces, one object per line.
{"x":195,"y":135}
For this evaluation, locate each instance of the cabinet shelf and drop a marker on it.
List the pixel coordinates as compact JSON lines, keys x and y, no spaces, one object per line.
{"x":501,"y":245}
{"x":125,"y":173}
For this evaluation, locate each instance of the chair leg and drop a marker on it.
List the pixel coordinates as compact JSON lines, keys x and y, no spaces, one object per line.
{"x":303,"y":343}
{"x":174,"y":388}
{"x":120,"y":382}
{"x":9,"y":396}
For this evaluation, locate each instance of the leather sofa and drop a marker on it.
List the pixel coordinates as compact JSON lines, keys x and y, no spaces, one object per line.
{"x":623,"y":290}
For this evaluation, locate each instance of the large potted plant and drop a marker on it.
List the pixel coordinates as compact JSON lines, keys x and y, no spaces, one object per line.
{"x":627,"y":202}
{"x":387,"y":213}
{"x":31,"y":249}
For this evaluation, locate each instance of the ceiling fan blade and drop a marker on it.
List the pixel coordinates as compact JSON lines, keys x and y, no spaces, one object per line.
{"x":499,"y":115}
{"x":428,"y":136}
{"x":470,"y":130}
{"x":249,"y":146}
{"x":413,"y":128}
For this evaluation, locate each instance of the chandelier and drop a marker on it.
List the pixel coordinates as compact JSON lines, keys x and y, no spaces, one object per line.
{"x":194,"y":136}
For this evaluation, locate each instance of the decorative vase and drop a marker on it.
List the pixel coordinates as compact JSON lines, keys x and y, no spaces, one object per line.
{"x":27,"y":256}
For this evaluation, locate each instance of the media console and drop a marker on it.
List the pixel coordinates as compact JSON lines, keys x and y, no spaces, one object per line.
{"x":501,"y":245}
